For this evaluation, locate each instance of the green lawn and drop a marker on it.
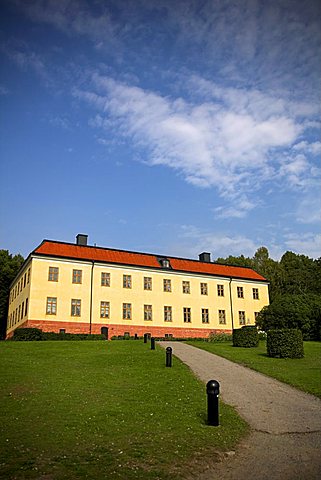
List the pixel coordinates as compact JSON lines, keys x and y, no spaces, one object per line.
{"x":303,"y":373}
{"x":98,"y":410}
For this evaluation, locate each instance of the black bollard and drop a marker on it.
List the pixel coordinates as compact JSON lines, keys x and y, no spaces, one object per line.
{"x":145,"y":337}
{"x":152,"y":343}
{"x":213,"y":391}
{"x":169,"y":356}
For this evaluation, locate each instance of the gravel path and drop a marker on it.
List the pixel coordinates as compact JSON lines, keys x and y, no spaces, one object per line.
{"x":285,"y":441}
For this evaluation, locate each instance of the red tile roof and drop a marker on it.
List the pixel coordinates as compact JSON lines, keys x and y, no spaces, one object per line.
{"x":107,"y":255}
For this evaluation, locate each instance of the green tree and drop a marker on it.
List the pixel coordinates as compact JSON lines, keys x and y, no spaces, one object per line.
{"x":293,"y":311}
{"x":9,"y":267}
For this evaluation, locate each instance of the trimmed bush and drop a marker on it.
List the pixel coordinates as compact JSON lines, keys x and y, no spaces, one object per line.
{"x":35,"y":334}
{"x":27,"y":335}
{"x":285,"y":343}
{"x":246,"y":336}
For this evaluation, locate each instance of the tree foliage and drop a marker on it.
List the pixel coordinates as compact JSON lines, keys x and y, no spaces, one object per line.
{"x":9,"y":267}
{"x":294,"y":288}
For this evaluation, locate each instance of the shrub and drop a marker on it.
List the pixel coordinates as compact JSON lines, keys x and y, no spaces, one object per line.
{"x":35,"y":334}
{"x":27,"y":335}
{"x":246,"y":336}
{"x":220,"y":337}
{"x":285,"y":343}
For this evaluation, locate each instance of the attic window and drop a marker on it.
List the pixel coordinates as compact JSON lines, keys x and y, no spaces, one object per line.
{"x":164,"y":262}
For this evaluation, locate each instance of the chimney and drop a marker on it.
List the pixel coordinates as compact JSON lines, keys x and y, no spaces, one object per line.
{"x":81,"y":239}
{"x":205,"y":257}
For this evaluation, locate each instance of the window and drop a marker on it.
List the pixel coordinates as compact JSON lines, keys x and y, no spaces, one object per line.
{"x":187,"y":314}
{"x":242,"y":317}
{"x":22,"y":310}
{"x":256,"y":314}
{"x":168,"y":335}
{"x":221,"y":317}
{"x":104,"y":309}
{"x":148,"y":312}
{"x":53,"y":274}
{"x":19,"y":313}
{"x":255,"y":293}
{"x":203,"y":288}
{"x":24,"y":280}
{"x":62,"y":330}
{"x":51,"y":308}
{"x":167,"y":313}
{"x":127,"y":311}
{"x":220,"y":290}
{"x":26,"y":307}
{"x":21,"y":285}
{"x":75,"y":307}
{"x":186,"y":287}
{"x":105,"y":279}
{"x":240,"y":293}
{"x":167,"y":285}
{"x":127,"y":281}
{"x":164,"y":262}
{"x":205,"y":315}
{"x":28,"y":275}
{"x":147,"y":283}
{"x":76,"y":276}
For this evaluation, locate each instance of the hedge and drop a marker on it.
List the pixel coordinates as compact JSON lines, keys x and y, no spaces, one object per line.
{"x":246,"y":336}
{"x":285,"y":343}
{"x":35,"y":334}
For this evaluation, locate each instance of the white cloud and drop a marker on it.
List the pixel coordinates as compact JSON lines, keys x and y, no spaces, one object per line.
{"x":313,"y":148}
{"x":226,"y":142}
{"x":219,"y":244}
{"x":307,"y":244}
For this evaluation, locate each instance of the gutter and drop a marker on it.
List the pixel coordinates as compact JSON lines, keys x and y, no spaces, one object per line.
{"x":91,"y":296}
{"x":231,"y":303}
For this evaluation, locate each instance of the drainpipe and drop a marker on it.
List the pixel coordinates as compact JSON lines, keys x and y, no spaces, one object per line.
{"x":91,"y":296}
{"x":231,"y":303}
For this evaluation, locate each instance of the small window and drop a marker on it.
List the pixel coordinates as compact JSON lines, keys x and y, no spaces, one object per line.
{"x":75,"y":307}
{"x":167,"y":313}
{"x":104,"y":309}
{"x":186,"y":287}
{"x":147,"y":283}
{"x":28,"y":275}
{"x":53,"y":274}
{"x":220,"y":290}
{"x":168,"y":335}
{"x":255,"y":293}
{"x":22,"y":310}
{"x":187,"y":314}
{"x":148,"y":312}
{"x":127,"y":311}
{"x":26,"y":307}
{"x":105,"y":279}
{"x":167,"y":285}
{"x":62,"y":330}
{"x":164,"y":262}
{"x":240,"y":293}
{"x":221,"y":317}
{"x":256,"y":314}
{"x":77,"y":276}
{"x":205,"y":315}
{"x":127,"y":281}
{"x":24,"y":280}
{"x":204,"y":289}
{"x":242,"y":317}
{"x":51,"y":308}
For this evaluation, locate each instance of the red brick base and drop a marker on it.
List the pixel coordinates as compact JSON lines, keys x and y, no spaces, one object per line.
{"x":116,"y":330}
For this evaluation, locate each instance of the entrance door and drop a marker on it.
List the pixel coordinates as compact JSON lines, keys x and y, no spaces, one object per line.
{"x":104,"y":331}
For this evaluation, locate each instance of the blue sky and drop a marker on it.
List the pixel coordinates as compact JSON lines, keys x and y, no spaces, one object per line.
{"x":160,"y":126}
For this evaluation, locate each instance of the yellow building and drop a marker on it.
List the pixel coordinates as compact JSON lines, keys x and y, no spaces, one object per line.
{"x":76,"y":288}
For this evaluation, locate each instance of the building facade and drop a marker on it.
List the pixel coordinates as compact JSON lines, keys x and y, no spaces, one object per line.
{"x":76,"y":288}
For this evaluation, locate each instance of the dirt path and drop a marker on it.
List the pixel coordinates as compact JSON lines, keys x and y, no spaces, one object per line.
{"x":285,"y":442}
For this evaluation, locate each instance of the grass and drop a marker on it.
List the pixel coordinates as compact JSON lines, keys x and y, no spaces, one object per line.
{"x":107,"y":410}
{"x":303,"y":373}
